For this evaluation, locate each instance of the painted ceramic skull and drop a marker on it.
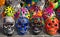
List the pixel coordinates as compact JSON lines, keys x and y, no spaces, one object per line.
{"x":35,"y":12}
{"x":8,"y":25}
{"x":9,"y":11}
{"x":22,"y":25}
{"x":48,"y":12}
{"x":24,"y":12}
{"x":36,"y":25}
{"x":52,"y":26}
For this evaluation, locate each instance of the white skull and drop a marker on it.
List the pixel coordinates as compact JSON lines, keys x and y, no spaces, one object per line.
{"x":8,"y":25}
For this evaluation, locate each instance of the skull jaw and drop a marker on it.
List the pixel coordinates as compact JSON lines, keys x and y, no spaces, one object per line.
{"x":36,"y":32}
{"x":52,"y":32}
{"x":9,"y":32}
{"x":21,"y":32}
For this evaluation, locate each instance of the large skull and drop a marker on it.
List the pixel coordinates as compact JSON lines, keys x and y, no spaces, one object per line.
{"x":51,"y":26}
{"x":8,"y":25}
{"x":36,"y":25}
{"x":22,"y":25}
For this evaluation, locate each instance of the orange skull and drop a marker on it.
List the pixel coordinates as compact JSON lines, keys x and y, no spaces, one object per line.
{"x":51,"y":26}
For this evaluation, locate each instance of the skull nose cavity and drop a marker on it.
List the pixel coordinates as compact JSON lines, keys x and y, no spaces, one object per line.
{"x":55,"y":24}
{"x":52,"y":26}
{"x":53,"y":21}
{"x":49,"y":24}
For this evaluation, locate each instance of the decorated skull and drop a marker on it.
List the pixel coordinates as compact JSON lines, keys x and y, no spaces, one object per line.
{"x":9,"y":11}
{"x":48,"y":12}
{"x":35,"y":12}
{"x":24,"y":12}
{"x":22,"y":25}
{"x":51,"y":26}
{"x":8,"y":25}
{"x":36,"y":25}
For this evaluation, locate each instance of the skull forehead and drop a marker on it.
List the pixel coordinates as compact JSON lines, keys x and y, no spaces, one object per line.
{"x":23,"y":19}
{"x":9,"y":19}
{"x":49,"y":20}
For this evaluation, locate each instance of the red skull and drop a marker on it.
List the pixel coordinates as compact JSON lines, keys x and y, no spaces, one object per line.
{"x":51,"y":26}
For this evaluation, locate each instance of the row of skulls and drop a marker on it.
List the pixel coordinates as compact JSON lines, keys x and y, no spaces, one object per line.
{"x":31,"y":14}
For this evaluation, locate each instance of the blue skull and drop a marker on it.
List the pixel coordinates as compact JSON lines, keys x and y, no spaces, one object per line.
{"x":22,"y":25}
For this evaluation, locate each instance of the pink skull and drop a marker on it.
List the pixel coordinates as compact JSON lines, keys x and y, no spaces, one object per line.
{"x":24,"y":11}
{"x":48,"y":12}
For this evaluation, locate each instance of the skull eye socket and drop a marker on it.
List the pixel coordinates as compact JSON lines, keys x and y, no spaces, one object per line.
{"x":53,"y":21}
{"x":5,"y":25}
{"x":11,"y":24}
{"x":49,"y":24}
{"x":55,"y":24}
{"x":23,"y":12}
